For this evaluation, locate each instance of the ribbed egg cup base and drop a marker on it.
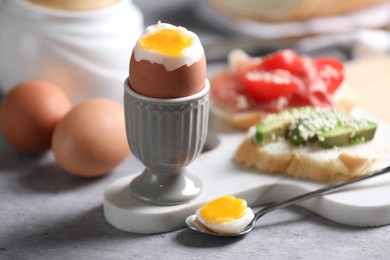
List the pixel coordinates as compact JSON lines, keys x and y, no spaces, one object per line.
{"x":166,"y":135}
{"x":165,"y":189}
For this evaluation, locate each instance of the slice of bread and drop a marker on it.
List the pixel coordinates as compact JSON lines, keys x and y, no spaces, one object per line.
{"x":226,"y":105}
{"x":241,"y":120}
{"x":345,"y":98}
{"x":312,"y":162}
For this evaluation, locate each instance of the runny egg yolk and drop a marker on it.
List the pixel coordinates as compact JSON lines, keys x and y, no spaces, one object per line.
{"x":168,"y":41}
{"x":224,"y":209}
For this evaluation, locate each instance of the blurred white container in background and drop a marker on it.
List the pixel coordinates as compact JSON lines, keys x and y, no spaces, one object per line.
{"x":87,"y":53}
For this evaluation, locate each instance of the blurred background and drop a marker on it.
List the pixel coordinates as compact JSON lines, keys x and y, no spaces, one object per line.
{"x":99,"y":41}
{"x":358,"y":30}
{"x":87,"y":54}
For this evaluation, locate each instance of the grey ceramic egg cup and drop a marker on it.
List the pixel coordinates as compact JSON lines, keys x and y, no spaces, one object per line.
{"x":166,"y":135}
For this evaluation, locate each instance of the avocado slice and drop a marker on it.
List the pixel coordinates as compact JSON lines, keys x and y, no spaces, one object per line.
{"x":301,"y":133}
{"x":272,"y":128}
{"x":329,"y":127}
{"x":347,"y":135}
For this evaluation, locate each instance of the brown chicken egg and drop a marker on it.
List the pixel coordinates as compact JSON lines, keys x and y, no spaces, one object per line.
{"x":29,"y":114}
{"x":90,"y":140}
{"x":167,"y":62}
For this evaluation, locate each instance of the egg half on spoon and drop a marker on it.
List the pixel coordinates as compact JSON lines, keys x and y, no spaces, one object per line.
{"x":167,"y":62}
{"x":225,"y":215}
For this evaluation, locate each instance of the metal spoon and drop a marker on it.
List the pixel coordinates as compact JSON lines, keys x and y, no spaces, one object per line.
{"x":194,"y":224}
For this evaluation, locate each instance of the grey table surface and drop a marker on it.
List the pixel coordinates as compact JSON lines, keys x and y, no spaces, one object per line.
{"x":47,"y":214}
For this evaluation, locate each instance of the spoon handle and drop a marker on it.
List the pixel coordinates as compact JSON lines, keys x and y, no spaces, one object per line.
{"x":316,"y":193}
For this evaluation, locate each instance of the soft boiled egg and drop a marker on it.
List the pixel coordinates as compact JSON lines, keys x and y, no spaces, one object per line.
{"x":225,"y":215}
{"x":167,"y":62}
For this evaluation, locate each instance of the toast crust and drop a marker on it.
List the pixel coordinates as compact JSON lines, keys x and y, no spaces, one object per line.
{"x":311,"y":162}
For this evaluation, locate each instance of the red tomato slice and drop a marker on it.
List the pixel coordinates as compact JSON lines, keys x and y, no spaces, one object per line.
{"x":266,"y":86}
{"x":285,"y":60}
{"x":331,"y":71}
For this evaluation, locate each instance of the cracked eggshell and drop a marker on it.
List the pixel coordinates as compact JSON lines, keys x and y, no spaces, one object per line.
{"x":153,"y":80}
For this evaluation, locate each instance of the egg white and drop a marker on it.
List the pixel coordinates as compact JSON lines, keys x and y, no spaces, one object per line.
{"x":190,"y":55}
{"x":231,"y":227}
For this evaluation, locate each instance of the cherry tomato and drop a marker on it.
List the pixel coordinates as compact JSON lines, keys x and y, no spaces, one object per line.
{"x":285,"y":60}
{"x":266,"y":86}
{"x":331,"y":71}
